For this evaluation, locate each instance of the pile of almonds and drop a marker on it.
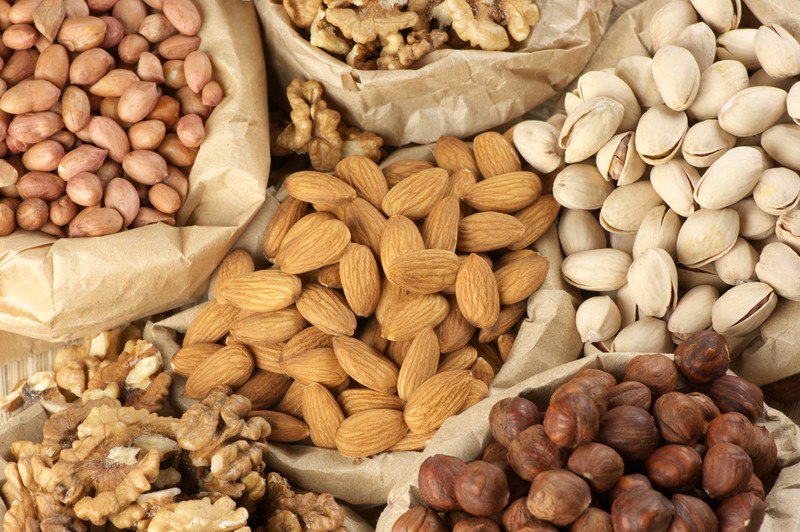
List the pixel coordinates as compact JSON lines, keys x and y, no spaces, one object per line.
{"x":634,"y":455}
{"x":103,"y":107}
{"x":392,"y":302}
{"x":679,"y":178}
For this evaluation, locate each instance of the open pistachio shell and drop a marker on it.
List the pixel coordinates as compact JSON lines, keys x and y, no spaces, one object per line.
{"x":777,"y":51}
{"x":782,"y":143}
{"x":738,"y":265}
{"x":668,"y":22}
{"x":637,"y":72}
{"x":537,"y":142}
{"x":626,"y":207}
{"x":675,"y":182}
{"x":693,"y":312}
{"x":742,"y":309}
{"x":788,"y":229}
{"x":706,"y":142}
{"x":777,"y":191}
{"x":706,"y":235}
{"x":793,"y":103}
{"x":654,"y":281}
{"x":689,"y":278}
{"x":600,"y":84}
{"x":598,"y":319}
{"x":754,"y":224}
{"x":589,"y":127}
{"x":701,"y":42}
{"x":660,"y":133}
{"x":760,"y":78}
{"x":752,"y":111}
{"x":677,"y":76}
{"x":580,"y":186}
{"x":731,"y":178}
{"x":647,"y":335}
{"x":721,"y":15}
{"x":718,"y":83}
{"x":739,"y":45}
{"x":622,"y":241}
{"x":779,"y":267}
{"x":579,"y":230}
{"x":619,"y":160}
{"x":598,"y":270}
{"x":626,"y":305}
{"x":659,"y":229}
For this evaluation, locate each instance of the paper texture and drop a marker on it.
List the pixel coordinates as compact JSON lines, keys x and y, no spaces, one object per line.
{"x":452,"y":92}
{"x":785,"y":13}
{"x":56,"y":290}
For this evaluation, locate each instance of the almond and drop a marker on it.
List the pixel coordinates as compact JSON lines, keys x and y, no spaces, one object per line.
{"x":509,"y":316}
{"x":460,"y":183}
{"x":322,"y":414}
{"x":400,"y":237}
{"x":425,"y":272}
{"x":197,"y":70}
{"x":440,"y":230}
{"x":365,"y":176}
{"x":183,"y":15}
{"x":308,"y":338}
{"x":262,"y":291}
{"x":285,"y":428}
{"x":29,"y":96}
{"x":230,"y":366}
{"x":81,"y":33}
{"x":366,"y":223}
{"x":212,"y":323}
{"x":314,"y":365}
{"x":316,"y":247}
{"x":419,"y":364}
{"x":477,"y":293}
{"x":390,"y":294}
{"x":412,"y":313}
{"x":268,"y":327}
{"x":415,"y":196}
{"x":360,"y":279}
{"x":370,"y":432}
{"x":495,"y":155}
{"x":121,"y":195}
{"x":489,"y":353}
{"x":84,"y":158}
{"x":316,"y":187}
{"x":356,"y":400}
{"x":453,"y":155}
{"x":506,"y":193}
{"x":48,"y":17}
{"x":235,"y":264}
{"x":330,"y":276}
{"x":504,"y":343}
{"x":138,"y":101}
{"x":365,"y":365}
{"x":186,"y":359}
{"x":478,"y":391}
{"x":114,"y":84}
{"x":264,"y":388}
{"x":462,"y":358}
{"x":396,"y":351}
{"x":399,"y":170}
{"x":455,"y":331}
{"x":144,"y":166}
{"x":483,"y":371}
{"x":536,"y":219}
{"x":305,"y":225}
{"x":487,"y":231}
{"x":286,"y":215}
{"x":95,"y":222}
{"x":292,"y":402}
{"x":370,"y":334}
{"x":106,"y":133}
{"x":520,"y":278}
{"x":324,"y":309}
{"x":437,"y":399}
{"x":267,"y":356}
{"x":75,"y":109}
{"x":412,"y":442}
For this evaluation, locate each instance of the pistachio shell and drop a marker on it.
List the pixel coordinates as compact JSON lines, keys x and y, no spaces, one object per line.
{"x":557,"y":120}
{"x":626,"y":305}
{"x":571,"y":102}
{"x":752,"y":111}
{"x":721,"y":15}
{"x":637,"y":72}
{"x":622,"y":241}
{"x":777,"y":51}
{"x":742,"y":309}
{"x":693,"y":312}
{"x":760,"y":78}
{"x":689,"y":278}
{"x":654,"y":282}
{"x":677,"y":76}
{"x":718,"y":83}
{"x":739,"y":45}
{"x":777,"y":191}
{"x":590,"y":349}
{"x":793,"y":103}
{"x":578,"y":230}
{"x":738,"y":265}
{"x":754,"y":224}
{"x":580,"y":186}
{"x":660,"y":133}
{"x":589,"y":127}
{"x":598,"y":319}
{"x":598,"y":270}
{"x":675,"y":182}
{"x":647,"y":335}
{"x":626,"y":207}
{"x":706,"y":142}
{"x":701,"y":42}
{"x":537,"y":142}
{"x":669,"y":21}
{"x":779,"y":267}
{"x":659,"y":229}
{"x":731,"y":178}
{"x":706,"y":235}
{"x":782,"y":143}
{"x":599,"y":84}
{"x":619,"y":160}
{"x":788,"y":229}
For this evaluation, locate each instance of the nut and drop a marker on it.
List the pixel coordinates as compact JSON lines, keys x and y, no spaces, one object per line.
{"x":629,"y":483}
{"x":755,"y":486}
{"x":726,"y":470}
{"x":703,"y":357}
{"x":630,"y":393}
{"x":643,"y":509}
{"x":657,"y":372}
{"x":630,"y":431}
{"x":599,"y":464}
{"x":572,"y":420}
{"x":481,"y":489}
{"x":594,"y":388}
{"x":511,"y":416}
{"x":734,"y":394}
{"x":744,"y":511}
{"x":532,"y":452}
{"x":437,"y":481}
{"x":692,"y":514}
{"x":679,"y":418}
{"x":786,"y":390}
{"x":764,"y":451}
{"x":476,"y":524}
{"x":419,"y":519}
{"x":558,"y":497}
{"x":517,"y":517}
{"x":593,"y":520}
{"x":732,"y":427}
{"x":710,"y":410}
{"x":674,"y":467}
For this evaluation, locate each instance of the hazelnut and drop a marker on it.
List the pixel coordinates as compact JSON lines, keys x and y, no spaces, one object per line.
{"x":679,"y":418}
{"x":786,"y":390}
{"x":481,"y":489}
{"x":743,"y":513}
{"x":734,"y":394}
{"x":595,"y":388}
{"x":674,"y":467}
{"x":517,"y":487}
{"x":629,"y":483}
{"x":532,"y":452}
{"x":764,"y":451}
{"x":599,"y":464}
{"x":701,"y":449}
{"x":476,"y":524}
{"x":703,"y":357}
{"x":710,"y":410}
{"x":642,"y":510}
{"x":437,"y":481}
{"x":572,"y":420}
{"x":495,"y":452}
{"x":593,"y":520}
{"x":451,"y":519}
{"x":732,"y":427}
{"x":657,"y":372}
{"x":603,"y":378}
{"x":518,"y":518}
{"x":726,"y":470}
{"x":692,"y":515}
{"x":419,"y":519}
{"x":630,"y":431}
{"x":511,"y":416}
{"x":630,"y":393}
{"x":755,"y":486}
{"x":558,"y":497}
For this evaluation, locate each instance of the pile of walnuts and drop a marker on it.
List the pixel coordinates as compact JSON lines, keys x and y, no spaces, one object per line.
{"x":394,"y":34}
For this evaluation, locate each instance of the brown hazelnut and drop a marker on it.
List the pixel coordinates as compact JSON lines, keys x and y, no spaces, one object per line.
{"x":595,"y":388}
{"x":558,"y":497}
{"x":764,"y":451}
{"x":701,"y":449}
{"x":593,"y":520}
{"x":642,"y":510}
{"x":600,"y":465}
{"x":572,"y":420}
{"x":741,"y":513}
{"x":657,"y":372}
{"x":630,"y":431}
{"x":692,"y":515}
{"x":451,"y":519}
{"x":511,"y":416}
{"x":519,"y":519}
{"x":482,"y":489}
{"x":532,"y":452}
{"x":734,"y":394}
{"x":710,"y":410}
{"x":630,"y":393}
{"x":726,"y":470}
{"x":732,"y":427}
{"x":786,"y":390}
{"x":679,"y":418}
{"x":419,"y":519}
{"x":495,"y":452}
{"x":629,"y":483}
{"x":437,"y":481}
{"x":476,"y":524}
{"x":603,"y":378}
{"x":517,"y":487}
{"x":703,"y":357}
{"x":755,"y":486}
{"x":674,"y":467}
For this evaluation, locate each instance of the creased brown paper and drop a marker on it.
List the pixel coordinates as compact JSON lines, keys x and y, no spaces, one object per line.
{"x":56,"y":290}
{"x":466,"y":435}
{"x":786,"y":13}
{"x":451,"y":92}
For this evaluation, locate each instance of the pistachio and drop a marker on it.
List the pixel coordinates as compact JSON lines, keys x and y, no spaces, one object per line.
{"x":706,"y":142}
{"x":580,"y":186}
{"x":693,"y":312}
{"x":654,"y":282}
{"x":647,"y":335}
{"x":598,"y":270}
{"x":721,"y":15}
{"x":626,"y":305}
{"x":752,"y":111}
{"x":677,"y":76}
{"x":626,"y":207}
{"x":739,"y":45}
{"x":738,"y":265}
{"x":754,"y":224}
{"x":659,"y":229}
{"x":571,"y":102}
{"x":537,"y":142}
{"x":701,"y":42}
{"x":589,"y":127}
{"x":787,"y":229}
{"x":675,"y":182}
{"x":742,"y":309}
{"x":578,"y":230}
{"x":637,"y":72}
{"x":782,"y":143}
{"x":777,"y":191}
{"x":669,"y":21}
{"x":600,"y":84}
{"x":718,"y":83}
{"x":778,"y":51}
{"x":618,"y":159}
{"x":557,"y":120}
{"x":779,"y":267}
{"x":622,"y":241}
{"x":706,"y":235}
{"x":760,"y":78}
{"x":793,"y":103}
{"x":731,"y":178}
{"x":689,"y":278}
{"x":660,"y":133}
{"x":598,"y":319}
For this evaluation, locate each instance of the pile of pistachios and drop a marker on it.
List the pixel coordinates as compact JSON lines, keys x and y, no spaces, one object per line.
{"x":678,"y":174}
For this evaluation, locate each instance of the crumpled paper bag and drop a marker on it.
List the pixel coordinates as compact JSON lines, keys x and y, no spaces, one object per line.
{"x":61,"y":289}
{"x":450,"y":92}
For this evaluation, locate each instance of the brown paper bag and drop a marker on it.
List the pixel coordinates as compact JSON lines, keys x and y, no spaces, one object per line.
{"x":56,"y":290}
{"x":466,"y":435}
{"x":450,"y":92}
{"x":785,"y":13}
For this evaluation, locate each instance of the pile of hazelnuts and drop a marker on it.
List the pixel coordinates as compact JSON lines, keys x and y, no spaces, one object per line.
{"x":647,"y":454}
